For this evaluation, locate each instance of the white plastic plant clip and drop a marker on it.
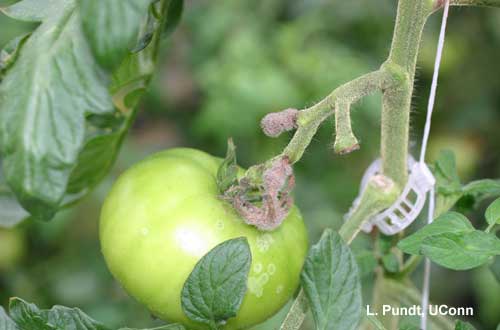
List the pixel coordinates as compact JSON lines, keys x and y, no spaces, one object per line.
{"x":409,"y":204}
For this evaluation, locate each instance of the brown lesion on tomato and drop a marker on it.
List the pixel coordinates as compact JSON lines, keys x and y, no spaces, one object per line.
{"x":263,"y":196}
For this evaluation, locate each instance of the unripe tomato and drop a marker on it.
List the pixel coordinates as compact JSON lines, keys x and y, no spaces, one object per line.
{"x":165,"y":213}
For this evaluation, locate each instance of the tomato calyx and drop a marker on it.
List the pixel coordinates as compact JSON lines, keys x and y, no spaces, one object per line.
{"x":263,"y":196}
{"x":227,"y":175}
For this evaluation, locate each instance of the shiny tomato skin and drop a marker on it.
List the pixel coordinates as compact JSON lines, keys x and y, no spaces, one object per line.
{"x":165,"y":213}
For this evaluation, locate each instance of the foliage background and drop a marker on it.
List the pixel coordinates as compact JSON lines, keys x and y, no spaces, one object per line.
{"x":231,"y":62}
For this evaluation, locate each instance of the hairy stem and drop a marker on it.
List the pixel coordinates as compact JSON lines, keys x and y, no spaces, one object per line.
{"x":378,"y":195}
{"x":310,"y":119}
{"x":297,"y":313}
{"x":345,"y":141}
{"x":396,"y":102}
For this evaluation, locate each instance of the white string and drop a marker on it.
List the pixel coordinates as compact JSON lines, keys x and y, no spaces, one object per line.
{"x":432,"y":96}
{"x":427,"y":129}
{"x":427,"y":270}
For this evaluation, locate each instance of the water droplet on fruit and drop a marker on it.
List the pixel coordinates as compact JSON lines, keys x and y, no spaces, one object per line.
{"x":144,"y":231}
{"x":219,"y":225}
{"x":256,"y":284}
{"x":271,"y":269}
{"x":279,"y":289}
{"x":264,"y":242}
{"x":257,"y":268}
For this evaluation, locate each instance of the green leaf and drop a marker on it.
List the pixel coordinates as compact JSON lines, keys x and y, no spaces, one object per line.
{"x":60,"y":134}
{"x":450,"y":222}
{"x":460,"y":325}
{"x":5,"y":322}
{"x":11,"y":213}
{"x":112,"y":27}
{"x":390,"y":262}
{"x":476,"y":191}
{"x":448,"y":187}
{"x":227,"y":175}
{"x":375,"y":322}
{"x":482,"y":188}
{"x":215,"y":288}
{"x":493,"y":212}
{"x":445,"y":202}
{"x":36,"y":10}
{"x":173,"y":326}
{"x":28,"y":316}
{"x":175,"y":9}
{"x":129,"y":82}
{"x":409,"y":327}
{"x":9,"y":54}
{"x":366,"y":262}
{"x":385,"y":244}
{"x":45,"y":98}
{"x":131,"y":78}
{"x":495,"y":268}
{"x":461,"y":251}
{"x":446,"y":169}
{"x":331,"y":282}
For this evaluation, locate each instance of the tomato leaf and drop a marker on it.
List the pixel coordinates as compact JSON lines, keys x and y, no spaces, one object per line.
{"x":172,"y":326}
{"x":175,"y":9}
{"x":448,"y":187}
{"x":460,"y":325}
{"x":366,"y":262}
{"x":376,"y":323}
{"x":112,"y":27}
{"x":461,"y":251}
{"x":28,"y":316}
{"x":9,"y":53}
{"x":446,"y":169}
{"x":390,"y":262}
{"x":476,"y":191}
{"x":103,"y":142}
{"x":449,"y":191}
{"x":409,"y":327}
{"x":493,"y":212}
{"x":35,"y":10}
{"x":331,"y":282}
{"x":495,"y":268}
{"x":11,"y":213}
{"x":450,"y":222}
{"x":60,"y":134}
{"x":486,"y":187}
{"x":46,"y":96}
{"x":5,"y":321}
{"x":215,"y":288}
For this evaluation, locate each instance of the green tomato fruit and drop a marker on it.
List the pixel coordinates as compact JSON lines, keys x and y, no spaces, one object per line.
{"x":164,"y":214}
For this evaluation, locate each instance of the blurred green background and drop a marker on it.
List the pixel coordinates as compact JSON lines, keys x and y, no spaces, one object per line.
{"x":231,"y":62}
